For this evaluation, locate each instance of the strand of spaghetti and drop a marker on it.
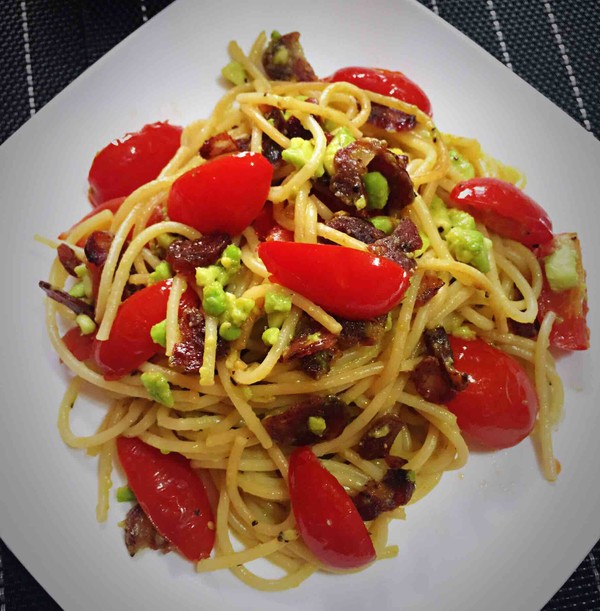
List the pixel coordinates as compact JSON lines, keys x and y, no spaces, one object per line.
{"x":343,"y":239}
{"x":264,"y":486}
{"x":294,"y":181}
{"x":420,"y":208}
{"x":113,"y":299}
{"x":380,"y":401}
{"x":355,"y":92}
{"x":306,"y":108}
{"x":64,"y":426}
{"x":371,"y":469}
{"x":260,"y":81}
{"x":195,"y":134}
{"x":300,"y":212}
{"x":326,"y":383}
{"x":257,"y":373}
{"x":259,"y":121}
{"x":348,"y":475}
{"x":311,"y":220}
{"x":189,"y":382}
{"x":172,"y":335}
{"x":478,"y":319}
{"x":209,"y":356}
{"x":425,"y":452}
{"x":256,"y":52}
{"x":197,"y":423}
{"x":227,"y":561}
{"x":458,"y":298}
{"x":402,"y":328}
{"x":99,"y":222}
{"x":244,"y":409}
{"x":541,"y":385}
{"x":150,"y":411}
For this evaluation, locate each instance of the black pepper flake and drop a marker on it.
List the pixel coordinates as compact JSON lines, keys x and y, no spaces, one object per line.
{"x":280,"y":537}
{"x":196,"y":512}
{"x":435,"y":140}
{"x":254,"y":522}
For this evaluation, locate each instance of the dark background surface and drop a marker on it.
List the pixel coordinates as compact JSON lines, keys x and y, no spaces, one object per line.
{"x":554,"y":46}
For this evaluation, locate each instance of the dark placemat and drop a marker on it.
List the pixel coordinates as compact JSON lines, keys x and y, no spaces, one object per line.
{"x":554,"y":46}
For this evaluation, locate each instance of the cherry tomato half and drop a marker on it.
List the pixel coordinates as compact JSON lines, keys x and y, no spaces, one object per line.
{"x":498,"y":408}
{"x":171,"y":494}
{"x":349,"y":283}
{"x":80,"y":346}
{"x":225,"y":194}
{"x":504,"y":209}
{"x":130,"y":343}
{"x":570,"y":330}
{"x":385,"y":82}
{"x":327,"y":519}
{"x":132,"y":161}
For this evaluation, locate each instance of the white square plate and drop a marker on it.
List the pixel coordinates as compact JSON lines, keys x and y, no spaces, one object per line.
{"x":495,"y":536}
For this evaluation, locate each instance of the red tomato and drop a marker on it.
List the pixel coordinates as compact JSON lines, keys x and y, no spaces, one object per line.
{"x":171,"y":494}
{"x":570,"y":330}
{"x":267,"y":228}
{"x":385,"y":82}
{"x":504,"y":209}
{"x":80,"y":346}
{"x":225,"y":194}
{"x":349,"y":283}
{"x":499,"y":406}
{"x":130,"y":343}
{"x":327,"y":519}
{"x":132,"y":161}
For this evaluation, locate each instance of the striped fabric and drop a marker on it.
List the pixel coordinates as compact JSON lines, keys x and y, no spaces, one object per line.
{"x":554,"y":46}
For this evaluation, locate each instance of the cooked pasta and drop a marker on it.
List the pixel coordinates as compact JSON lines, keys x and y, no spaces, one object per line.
{"x":217,"y":415}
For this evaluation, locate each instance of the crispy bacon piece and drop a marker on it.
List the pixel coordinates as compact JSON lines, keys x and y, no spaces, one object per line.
{"x":79,"y":306}
{"x":184,"y":256}
{"x":524,"y":329}
{"x":430,"y":285}
{"x":189,"y":352}
{"x":68,"y":258}
{"x":284,"y":60}
{"x":318,"y":364}
{"x":391,"y":119}
{"x":394,"y":490}
{"x":431,"y":381}
{"x":350,"y":165}
{"x":378,"y":440}
{"x":435,"y":377}
{"x":352,"y":162}
{"x":291,"y":426}
{"x":438,"y":344}
{"x":404,"y":239}
{"x":393,"y":167}
{"x":223,"y":144}
{"x":356,"y":228}
{"x":97,"y":247}
{"x":140,"y":533}
{"x":305,"y":344}
{"x":363,"y":332}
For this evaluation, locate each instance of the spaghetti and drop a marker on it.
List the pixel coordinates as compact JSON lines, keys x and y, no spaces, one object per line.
{"x":216,"y":416}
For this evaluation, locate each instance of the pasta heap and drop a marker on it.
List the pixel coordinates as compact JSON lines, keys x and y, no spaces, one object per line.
{"x":216,"y":416}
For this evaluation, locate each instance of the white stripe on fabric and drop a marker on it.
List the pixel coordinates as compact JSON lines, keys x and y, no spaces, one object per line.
{"x":567,"y":63}
{"x":499,"y":34}
{"x":595,"y":570}
{"x":143,"y":7}
{"x":27,"y":48}
{"x":434,"y":7}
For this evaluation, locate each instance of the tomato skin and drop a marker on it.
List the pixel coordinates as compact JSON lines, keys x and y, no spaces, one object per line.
{"x":385,"y":82}
{"x":498,"y":408}
{"x":327,"y":520}
{"x":504,"y":209}
{"x":225,"y":194}
{"x":130,"y":343}
{"x":80,"y":346}
{"x":267,"y":229}
{"x":349,"y":283}
{"x":130,"y":162}
{"x":570,"y":330}
{"x":171,"y":494}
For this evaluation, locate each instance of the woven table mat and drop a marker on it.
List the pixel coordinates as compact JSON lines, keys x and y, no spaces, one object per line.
{"x":554,"y":46}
